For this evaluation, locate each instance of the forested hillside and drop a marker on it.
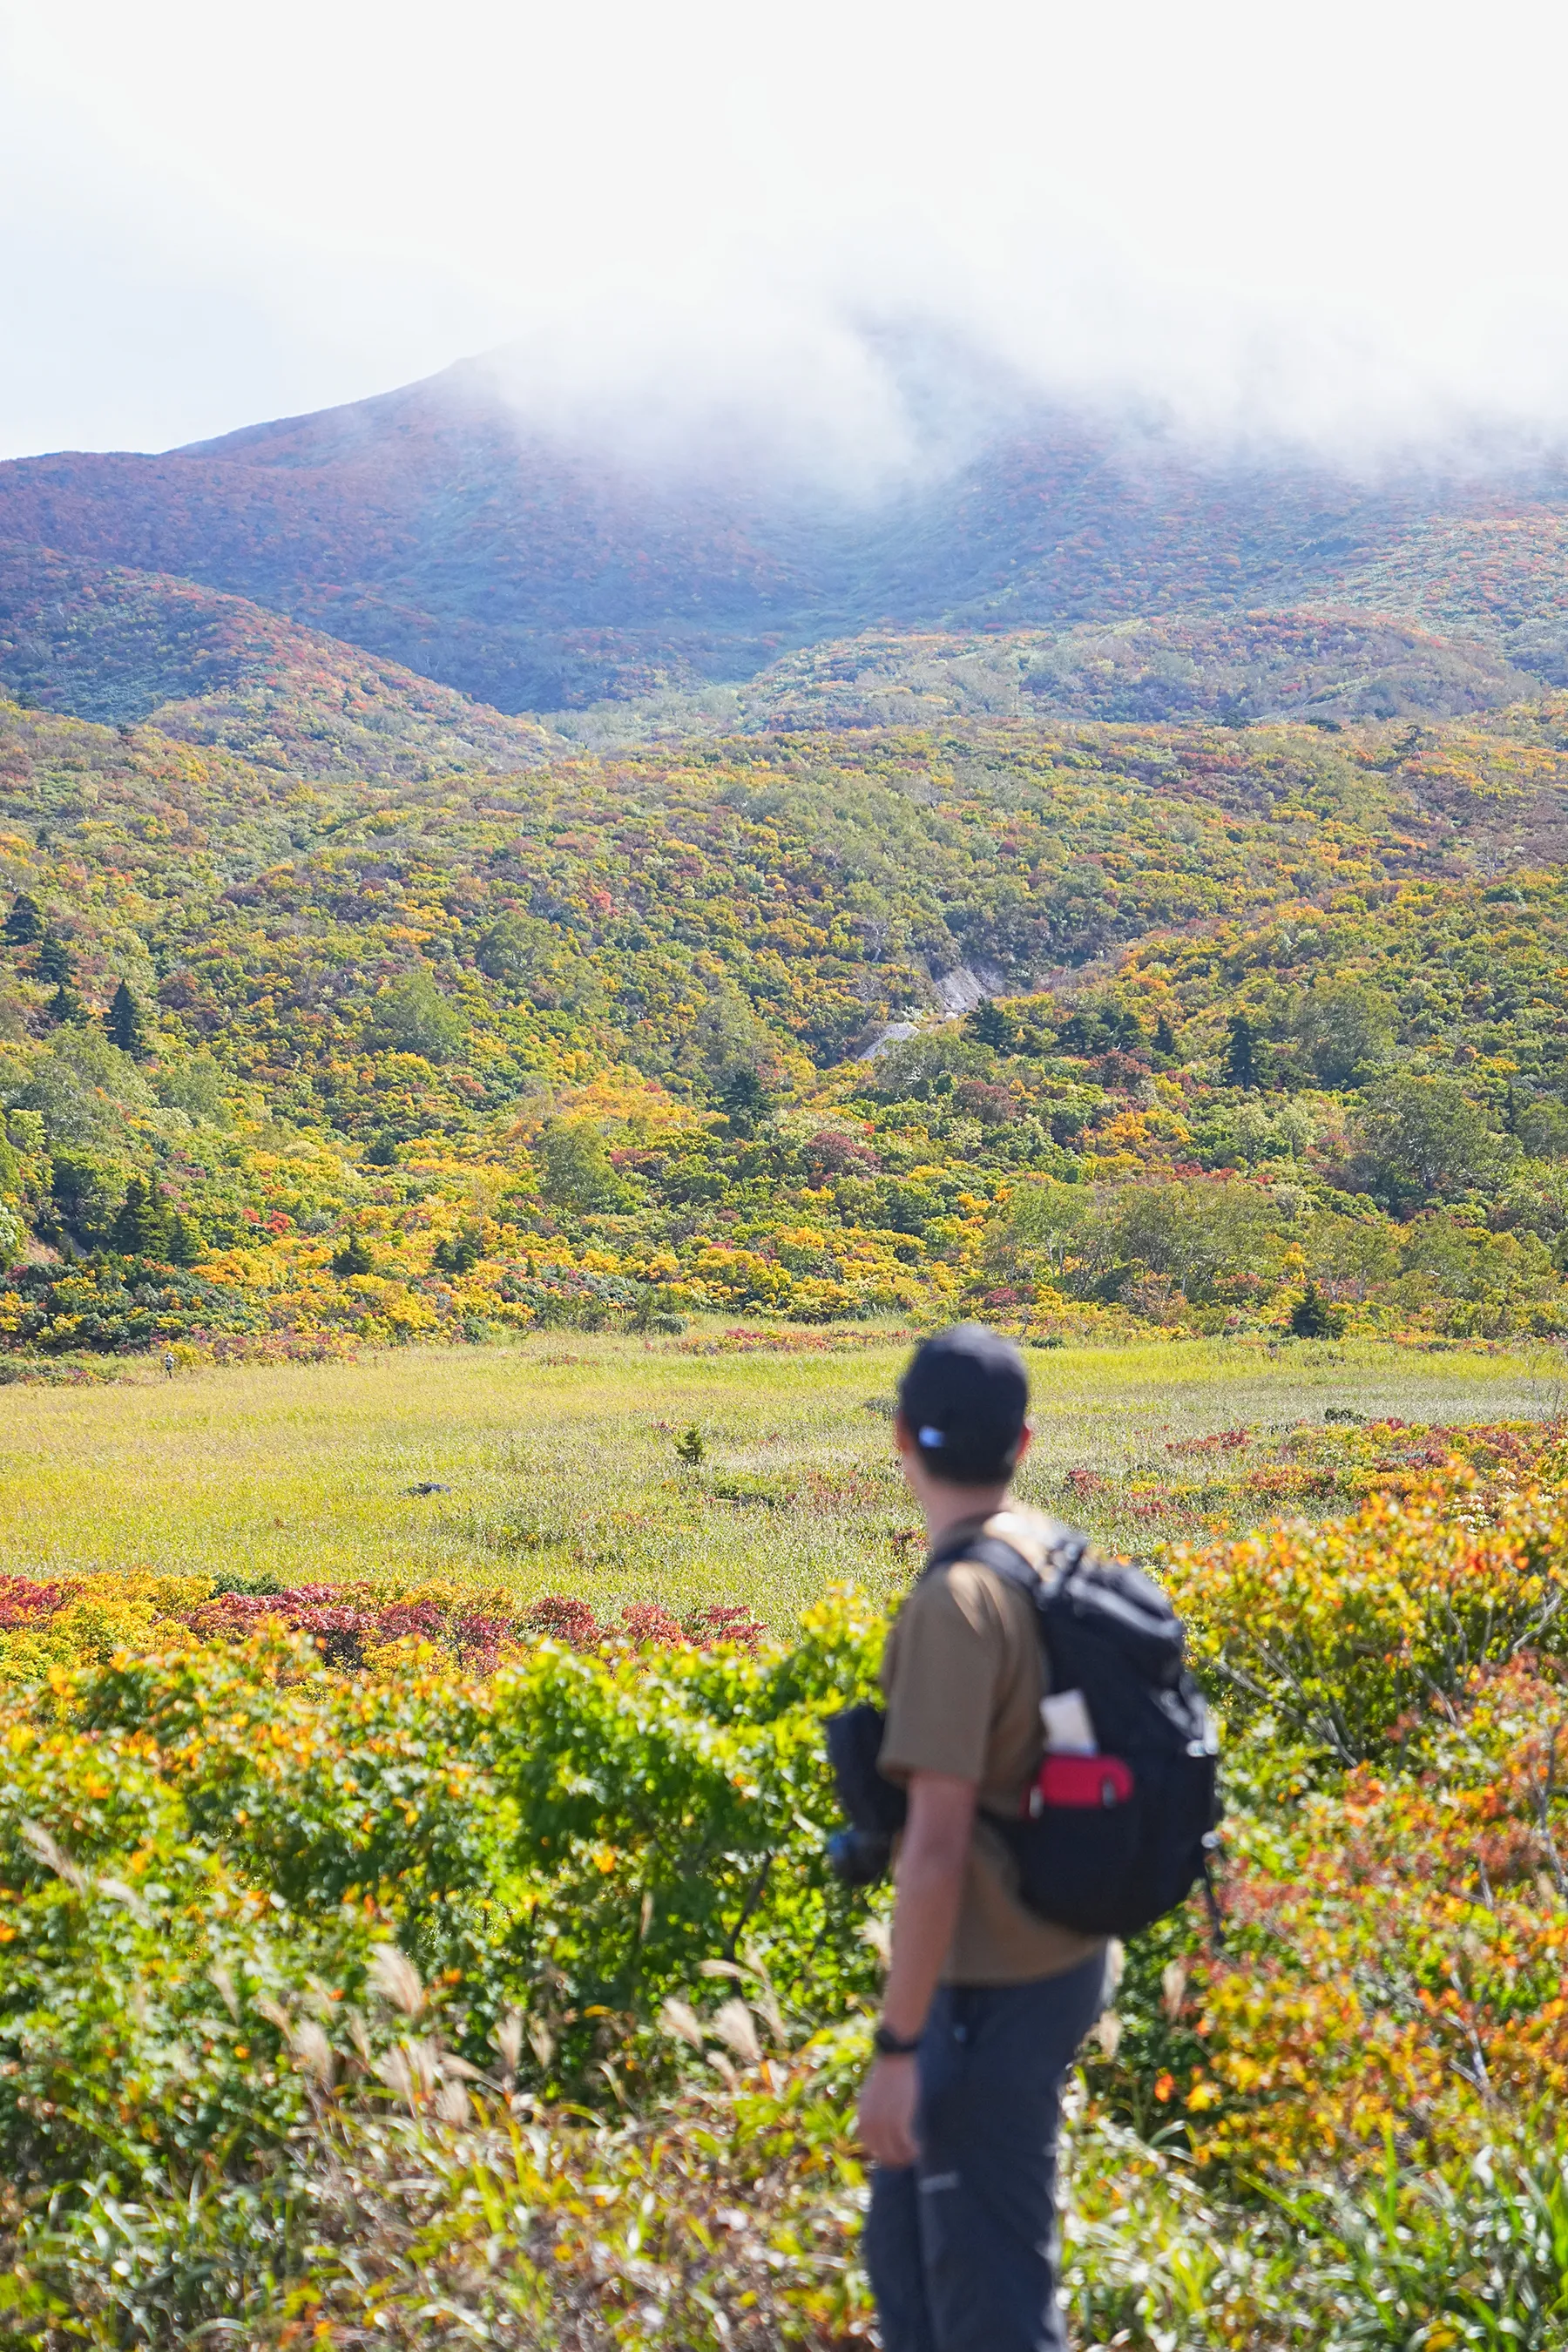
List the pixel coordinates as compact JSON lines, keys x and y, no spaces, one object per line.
{"x":100,"y":642}
{"x":1094,"y":1025}
{"x":1325,"y":665}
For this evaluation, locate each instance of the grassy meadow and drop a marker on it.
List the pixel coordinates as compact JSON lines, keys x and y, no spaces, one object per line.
{"x":432,"y":1980}
{"x":557,"y":1469}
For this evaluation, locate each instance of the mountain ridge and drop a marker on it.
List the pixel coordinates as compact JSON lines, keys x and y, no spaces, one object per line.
{"x":523,"y":568}
{"x":127,"y":648}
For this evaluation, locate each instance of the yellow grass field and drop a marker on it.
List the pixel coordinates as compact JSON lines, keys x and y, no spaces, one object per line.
{"x":558,"y":1467}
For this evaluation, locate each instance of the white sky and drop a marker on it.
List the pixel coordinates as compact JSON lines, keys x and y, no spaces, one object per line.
{"x":1349,"y":219}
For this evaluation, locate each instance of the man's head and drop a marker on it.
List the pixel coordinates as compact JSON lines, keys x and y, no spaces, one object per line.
{"x":962,"y":1404}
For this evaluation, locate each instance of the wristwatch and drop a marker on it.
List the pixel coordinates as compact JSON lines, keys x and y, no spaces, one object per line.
{"x":888,"y":2044}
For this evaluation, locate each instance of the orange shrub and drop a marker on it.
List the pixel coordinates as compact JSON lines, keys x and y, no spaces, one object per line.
{"x":1338,"y":1630}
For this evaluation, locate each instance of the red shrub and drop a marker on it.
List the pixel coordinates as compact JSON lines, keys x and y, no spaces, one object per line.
{"x":478,"y":1640}
{"x":715,"y":1626}
{"x":422,"y":1620}
{"x":830,"y":1153}
{"x":644,"y":1622}
{"x":992,"y":1105}
{"x":345,"y":1622}
{"x":22,"y":1600}
{"x":557,"y":1619}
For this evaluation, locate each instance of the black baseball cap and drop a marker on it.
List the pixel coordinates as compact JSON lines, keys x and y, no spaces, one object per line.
{"x":963,"y":1398}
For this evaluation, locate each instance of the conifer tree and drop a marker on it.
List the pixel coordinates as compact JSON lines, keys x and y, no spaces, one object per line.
{"x":989,"y":1025}
{"x":125,"y":1024}
{"x":25,"y":923}
{"x":1314,"y":1317}
{"x":56,"y":962}
{"x":1240,"y":1053}
{"x":142,"y":1227}
{"x":745,"y":1099}
{"x":459,"y":1252}
{"x":65,"y":1007}
{"x":184,"y":1242}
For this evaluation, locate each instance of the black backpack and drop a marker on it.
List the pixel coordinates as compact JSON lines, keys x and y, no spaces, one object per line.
{"x":1106,"y":1843}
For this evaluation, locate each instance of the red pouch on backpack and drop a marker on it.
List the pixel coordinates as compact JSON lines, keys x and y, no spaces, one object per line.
{"x":1100,"y":1782}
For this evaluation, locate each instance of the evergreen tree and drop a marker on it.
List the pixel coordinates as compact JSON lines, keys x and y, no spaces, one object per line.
{"x":1314,"y":1317}
{"x":65,"y":1007}
{"x":25,"y":923}
{"x":1241,"y":1053}
{"x":352,"y":1258}
{"x":82,"y":1200}
{"x":142,"y":1227}
{"x":1164,"y":1038}
{"x":460,"y":1252}
{"x":745,"y":1099}
{"x":989,"y":1025}
{"x":125,"y":1024}
{"x":56,"y":962}
{"x":184,"y":1242}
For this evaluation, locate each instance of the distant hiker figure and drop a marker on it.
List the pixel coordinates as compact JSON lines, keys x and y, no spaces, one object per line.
{"x":168,"y":1363}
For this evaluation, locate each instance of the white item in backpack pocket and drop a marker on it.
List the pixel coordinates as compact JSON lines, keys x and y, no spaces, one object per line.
{"x":1068,"y":1731}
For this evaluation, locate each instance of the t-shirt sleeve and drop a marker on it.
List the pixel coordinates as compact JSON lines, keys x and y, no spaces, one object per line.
{"x":946,"y":1661}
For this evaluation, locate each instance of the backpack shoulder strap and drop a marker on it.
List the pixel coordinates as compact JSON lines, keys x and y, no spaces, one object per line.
{"x":1065,"y":1548}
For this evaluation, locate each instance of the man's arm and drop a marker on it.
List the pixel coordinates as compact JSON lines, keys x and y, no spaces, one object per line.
{"x":932,"y":1858}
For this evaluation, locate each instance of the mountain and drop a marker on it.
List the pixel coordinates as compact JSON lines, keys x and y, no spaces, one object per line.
{"x":127,"y":648}
{"x":106,"y":643}
{"x":428,"y":527}
{"x":529,"y":570}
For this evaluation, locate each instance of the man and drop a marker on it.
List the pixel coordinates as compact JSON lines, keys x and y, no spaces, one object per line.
{"x":985,"y":2002}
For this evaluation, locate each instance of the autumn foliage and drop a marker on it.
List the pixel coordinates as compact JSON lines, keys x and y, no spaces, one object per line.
{"x":219,"y":1818}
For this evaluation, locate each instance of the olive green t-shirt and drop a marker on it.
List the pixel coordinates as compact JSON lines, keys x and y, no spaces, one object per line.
{"x":963,"y":1677}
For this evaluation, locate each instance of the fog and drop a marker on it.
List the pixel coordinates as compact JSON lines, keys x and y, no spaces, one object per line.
{"x":848,"y":238}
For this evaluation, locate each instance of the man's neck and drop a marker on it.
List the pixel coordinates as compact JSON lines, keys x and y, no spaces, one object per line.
{"x":947,"y":1508}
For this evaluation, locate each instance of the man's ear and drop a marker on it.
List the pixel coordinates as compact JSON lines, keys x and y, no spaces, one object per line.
{"x":1024,"y":1443}
{"x":903,"y":1436}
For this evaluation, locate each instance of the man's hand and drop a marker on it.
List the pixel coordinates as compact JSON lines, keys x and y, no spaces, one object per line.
{"x":931,"y":1867}
{"x":885,"y":2125}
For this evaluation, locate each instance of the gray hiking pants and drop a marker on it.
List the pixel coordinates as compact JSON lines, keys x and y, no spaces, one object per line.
{"x":962,"y":2246}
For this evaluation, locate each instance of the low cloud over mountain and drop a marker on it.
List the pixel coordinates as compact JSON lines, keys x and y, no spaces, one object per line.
{"x":535,"y":565}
